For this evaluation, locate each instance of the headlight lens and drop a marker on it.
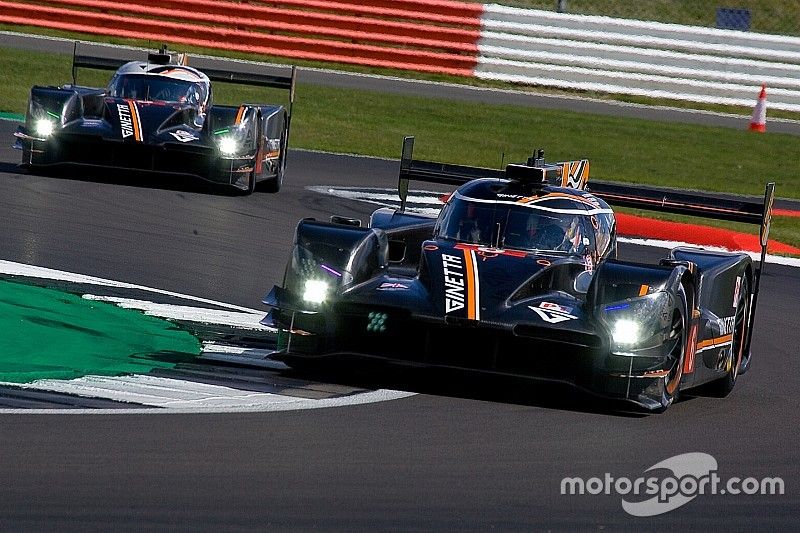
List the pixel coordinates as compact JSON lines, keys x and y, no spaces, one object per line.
{"x":44,"y":127}
{"x":315,"y":291}
{"x":228,"y":145}
{"x":625,"y":332}
{"x":638,"y":323}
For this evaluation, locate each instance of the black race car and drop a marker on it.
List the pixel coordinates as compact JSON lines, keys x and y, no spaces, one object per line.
{"x":158,"y":116}
{"x":519,"y":275}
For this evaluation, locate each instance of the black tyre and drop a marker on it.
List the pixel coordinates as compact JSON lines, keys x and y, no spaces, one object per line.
{"x":679,"y":332}
{"x":273,"y":185}
{"x":723,"y":386}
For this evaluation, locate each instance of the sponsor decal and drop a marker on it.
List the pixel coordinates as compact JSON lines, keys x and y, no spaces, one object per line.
{"x":454,"y":283}
{"x":430,"y":247}
{"x":392,"y":286}
{"x":736,"y":291}
{"x":184,"y":136}
{"x":726,"y":325}
{"x":553,"y":313}
{"x":462,"y":286}
{"x":125,"y":121}
{"x":543,"y":262}
{"x":575,"y":174}
{"x":129,"y":122}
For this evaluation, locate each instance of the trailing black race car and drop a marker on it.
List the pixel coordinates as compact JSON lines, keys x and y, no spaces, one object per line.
{"x":518,"y":275}
{"x":158,"y":116}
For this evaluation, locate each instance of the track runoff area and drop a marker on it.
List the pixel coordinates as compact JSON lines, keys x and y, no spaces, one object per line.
{"x":78,"y":344}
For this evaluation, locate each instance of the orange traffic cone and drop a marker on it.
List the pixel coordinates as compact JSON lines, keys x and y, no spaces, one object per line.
{"x":759,"y":120}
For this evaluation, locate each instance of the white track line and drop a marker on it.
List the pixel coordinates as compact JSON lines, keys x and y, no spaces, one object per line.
{"x":250,"y":321}
{"x":178,"y":396}
{"x":31,"y":271}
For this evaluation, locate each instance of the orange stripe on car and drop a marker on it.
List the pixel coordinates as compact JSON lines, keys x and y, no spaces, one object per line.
{"x":239,"y":116}
{"x":137,"y":129}
{"x":469,"y":268}
{"x":714,"y":342}
{"x":691,"y":348}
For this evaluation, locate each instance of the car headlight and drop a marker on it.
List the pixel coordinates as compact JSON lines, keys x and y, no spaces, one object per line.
{"x":315,"y":291}
{"x":625,"y":332}
{"x":228,"y":145}
{"x":44,"y":127}
{"x":638,"y":323}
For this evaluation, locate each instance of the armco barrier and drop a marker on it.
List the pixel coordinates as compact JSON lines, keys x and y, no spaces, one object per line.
{"x":490,"y":41}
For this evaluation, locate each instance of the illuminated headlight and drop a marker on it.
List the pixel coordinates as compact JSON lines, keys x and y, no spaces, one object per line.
{"x":625,"y":332}
{"x":44,"y":127}
{"x":315,"y":291}
{"x":228,"y":145}
{"x":638,"y":323}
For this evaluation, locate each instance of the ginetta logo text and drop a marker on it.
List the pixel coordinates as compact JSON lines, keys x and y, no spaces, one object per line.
{"x":453,"y":269}
{"x":125,"y":122}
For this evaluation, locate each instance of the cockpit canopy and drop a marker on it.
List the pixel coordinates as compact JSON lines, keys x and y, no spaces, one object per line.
{"x":515,"y":226}
{"x":159,"y":88}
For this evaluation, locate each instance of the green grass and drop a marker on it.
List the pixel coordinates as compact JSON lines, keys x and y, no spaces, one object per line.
{"x":475,"y":82}
{"x":372,"y":123}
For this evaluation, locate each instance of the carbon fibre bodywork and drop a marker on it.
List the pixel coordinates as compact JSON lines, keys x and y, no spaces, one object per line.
{"x":109,"y":128}
{"x":404,"y":290}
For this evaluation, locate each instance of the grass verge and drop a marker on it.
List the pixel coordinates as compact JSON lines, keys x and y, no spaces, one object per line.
{"x":474,"y":82}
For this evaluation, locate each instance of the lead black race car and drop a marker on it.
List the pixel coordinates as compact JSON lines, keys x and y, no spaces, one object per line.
{"x":519,"y":276}
{"x":159,"y":116}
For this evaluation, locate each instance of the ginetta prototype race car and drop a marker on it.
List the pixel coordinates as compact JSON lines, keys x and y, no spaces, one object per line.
{"x":158,"y":116}
{"x":519,"y":276}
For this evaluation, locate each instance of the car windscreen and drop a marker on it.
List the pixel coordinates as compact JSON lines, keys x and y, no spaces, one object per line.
{"x":155,"y":88}
{"x":518,"y":227}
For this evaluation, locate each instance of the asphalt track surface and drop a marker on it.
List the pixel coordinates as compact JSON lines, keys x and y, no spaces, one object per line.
{"x":465,"y":453}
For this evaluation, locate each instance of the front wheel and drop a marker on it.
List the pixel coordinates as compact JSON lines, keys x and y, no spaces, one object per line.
{"x":679,"y":333}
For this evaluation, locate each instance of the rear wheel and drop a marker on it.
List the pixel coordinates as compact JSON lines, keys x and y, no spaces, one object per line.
{"x":723,"y":386}
{"x":273,"y":185}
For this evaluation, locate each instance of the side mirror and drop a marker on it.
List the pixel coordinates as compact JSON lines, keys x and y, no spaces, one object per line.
{"x":582,"y":281}
{"x":337,"y":219}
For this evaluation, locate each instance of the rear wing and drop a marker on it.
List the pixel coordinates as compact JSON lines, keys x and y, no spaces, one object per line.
{"x":635,"y":196}
{"x":214,"y":74}
{"x":575,"y":174}
{"x":535,"y":172}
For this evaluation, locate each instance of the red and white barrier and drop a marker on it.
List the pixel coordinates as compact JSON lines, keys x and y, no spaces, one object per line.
{"x":488,"y":41}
